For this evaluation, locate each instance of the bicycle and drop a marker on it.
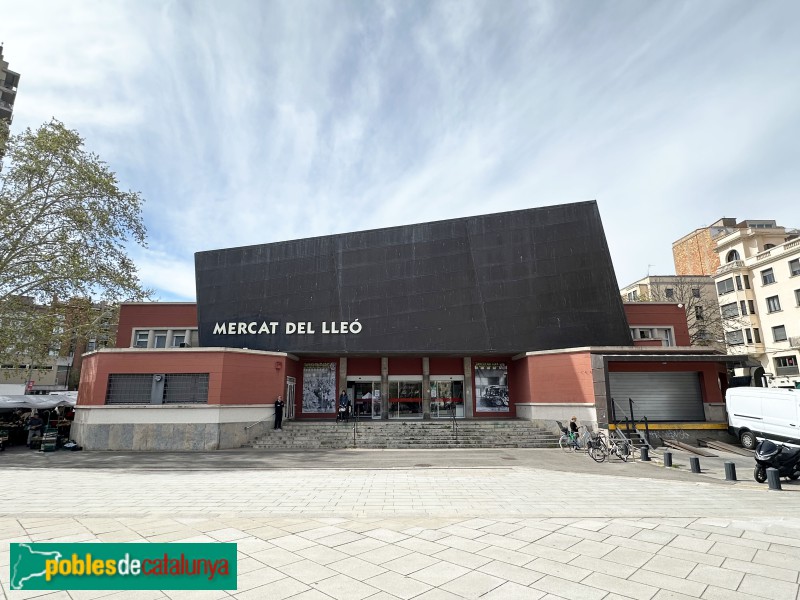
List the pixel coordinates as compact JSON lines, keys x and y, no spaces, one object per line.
{"x":572,"y":442}
{"x":601,"y":448}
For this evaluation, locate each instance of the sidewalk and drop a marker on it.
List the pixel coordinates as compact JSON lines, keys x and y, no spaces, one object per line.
{"x":509,"y":526}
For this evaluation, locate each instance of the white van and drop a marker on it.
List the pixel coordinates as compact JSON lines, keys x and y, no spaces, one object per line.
{"x":770,"y":413}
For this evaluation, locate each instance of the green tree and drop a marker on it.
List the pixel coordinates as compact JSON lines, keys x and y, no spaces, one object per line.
{"x":65,"y":230}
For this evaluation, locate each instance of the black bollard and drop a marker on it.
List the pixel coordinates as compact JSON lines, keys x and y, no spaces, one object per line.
{"x":667,"y":459}
{"x":645,"y":451}
{"x":730,"y":471}
{"x":695,"y":464}
{"x":773,"y":479}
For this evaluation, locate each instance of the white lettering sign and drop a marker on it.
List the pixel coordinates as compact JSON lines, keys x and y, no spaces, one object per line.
{"x":289,"y":327}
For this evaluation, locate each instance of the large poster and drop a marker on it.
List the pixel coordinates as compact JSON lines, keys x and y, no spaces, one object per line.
{"x":491,"y":387}
{"x":319,"y":388}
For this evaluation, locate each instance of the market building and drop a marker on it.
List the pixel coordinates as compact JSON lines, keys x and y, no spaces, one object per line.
{"x":513,"y":315}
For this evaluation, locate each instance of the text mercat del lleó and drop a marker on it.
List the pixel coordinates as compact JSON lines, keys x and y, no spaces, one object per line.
{"x":290,"y":327}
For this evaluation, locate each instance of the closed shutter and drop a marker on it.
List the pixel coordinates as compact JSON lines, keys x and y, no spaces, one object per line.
{"x":658,"y":396}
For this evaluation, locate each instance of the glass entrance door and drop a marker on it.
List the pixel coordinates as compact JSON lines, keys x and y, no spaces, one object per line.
{"x":366,"y":398}
{"x":447,"y":398}
{"x":290,"y":383}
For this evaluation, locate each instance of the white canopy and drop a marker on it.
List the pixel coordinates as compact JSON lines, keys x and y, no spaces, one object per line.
{"x":38,"y":402}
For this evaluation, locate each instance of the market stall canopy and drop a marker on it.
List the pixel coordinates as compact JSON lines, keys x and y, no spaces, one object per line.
{"x":37,"y":402}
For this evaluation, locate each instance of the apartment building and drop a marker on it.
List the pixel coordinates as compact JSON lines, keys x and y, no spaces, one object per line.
{"x":9,"y":80}
{"x":758,"y":289}
{"x":695,"y":294}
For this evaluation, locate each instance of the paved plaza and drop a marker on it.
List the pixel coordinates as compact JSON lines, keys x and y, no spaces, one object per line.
{"x":428,"y":525}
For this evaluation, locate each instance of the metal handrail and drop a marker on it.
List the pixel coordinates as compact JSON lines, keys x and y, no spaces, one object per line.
{"x":630,"y":422}
{"x":453,"y":417}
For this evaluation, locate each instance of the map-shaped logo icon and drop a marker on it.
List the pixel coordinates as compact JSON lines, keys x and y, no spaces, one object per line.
{"x":28,"y":565}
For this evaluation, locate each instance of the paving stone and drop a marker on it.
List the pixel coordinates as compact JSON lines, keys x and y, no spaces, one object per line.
{"x":766,"y":587}
{"x":669,"y":566}
{"x":663,"y":581}
{"x":513,"y":591}
{"x":714,"y":576}
{"x":278,"y":590}
{"x":604,"y":565}
{"x":473,"y":585}
{"x":568,"y":589}
{"x":439,"y":573}
{"x":698,"y":557}
{"x":514,"y":573}
{"x":398,"y":585}
{"x":626,"y":587}
{"x":342,"y":587}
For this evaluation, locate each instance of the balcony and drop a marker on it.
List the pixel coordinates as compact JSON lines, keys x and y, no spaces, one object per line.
{"x":731,"y":266}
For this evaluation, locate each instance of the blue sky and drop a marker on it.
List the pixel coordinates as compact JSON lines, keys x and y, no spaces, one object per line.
{"x":253,"y":122}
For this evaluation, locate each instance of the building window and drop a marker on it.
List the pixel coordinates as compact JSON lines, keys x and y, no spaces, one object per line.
{"x":749,"y":336}
{"x":729,"y":311}
{"x":695,"y":292}
{"x":698,"y":313}
{"x":732,"y":256}
{"x":725,"y":286}
{"x":752,"y":307}
{"x":757,"y":335}
{"x":176,"y":388}
{"x":669,"y":293}
{"x":633,"y":296}
{"x":779,"y":333}
{"x":738,"y":283}
{"x":734,"y":338}
{"x":141,"y":339}
{"x":91,"y":345}
{"x":186,"y":388}
{"x":768,"y":247}
{"x":767,"y":276}
{"x":129,"y":389}
{"x":794,"y":267}
{"x":773,"y":304}
{"x":743,"y":307}
{"x":786,"y":365}
{"x":159,"y":339}
{"x":747,"y":282}
{"x":797,"y":297}
{"x":178,"y":339}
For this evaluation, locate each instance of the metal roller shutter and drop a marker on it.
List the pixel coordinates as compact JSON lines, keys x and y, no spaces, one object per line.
{"x":658,"y":396}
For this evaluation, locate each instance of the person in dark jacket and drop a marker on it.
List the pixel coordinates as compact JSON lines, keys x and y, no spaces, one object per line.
{"x":35,"y":424}
{"x":343,"y":411}
{"x":279,"y":404}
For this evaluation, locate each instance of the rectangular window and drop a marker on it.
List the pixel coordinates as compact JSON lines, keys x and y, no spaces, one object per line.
{"x":729,"y":311}
{"x":669,"y":293}
{"x":725,"y":286}
{"x":734,"y":338}
{"x":738,"y":283}
{"x":779,"y":333}
{"x":698,"y":313}
{"x":695,"y":292}
{"x":743,"y":307}
{"x":178,"y":339}
{"x":186,"y":388}
{"x":794,"y":267}
{"x":633,"y":296}
{"x":747,"y":282}
{"x":773,"y":304}
{"x":160,"y":339}
{"x":767,"y":277}
{"x":129,"y":389}
{"x":757,"y":335}
{"x":786,"y":365}
{"x":797,"y":297}
{"x":749,"y":335}
{"x":141,"y":339}
{"x":752,"y":307}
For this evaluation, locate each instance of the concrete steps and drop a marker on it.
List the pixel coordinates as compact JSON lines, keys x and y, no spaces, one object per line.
{"x":298,"y":435}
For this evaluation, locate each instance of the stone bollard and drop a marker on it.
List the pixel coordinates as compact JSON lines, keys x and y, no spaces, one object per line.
{"x":773,"y":479}
{"x":667,"y":458}
{"x":730,"y":471}
{"x":694,"y":461}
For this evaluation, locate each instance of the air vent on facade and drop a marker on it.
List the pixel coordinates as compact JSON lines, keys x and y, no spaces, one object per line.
{"x":794,"y":341}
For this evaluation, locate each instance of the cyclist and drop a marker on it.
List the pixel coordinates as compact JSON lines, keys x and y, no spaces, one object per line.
{"x":573,"y":431}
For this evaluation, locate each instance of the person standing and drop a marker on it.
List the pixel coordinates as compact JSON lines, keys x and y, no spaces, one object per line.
{"x":279,"y":403}
{"x":34,"y":427}
{"x":344,"y":405}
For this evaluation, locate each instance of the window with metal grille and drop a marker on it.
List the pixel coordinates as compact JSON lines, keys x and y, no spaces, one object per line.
{"x":129,"y":389}
{"x":185,"y":388}
{"x":725,"y":286}
{"x":734,"y":338}
{"x":729,"y":310}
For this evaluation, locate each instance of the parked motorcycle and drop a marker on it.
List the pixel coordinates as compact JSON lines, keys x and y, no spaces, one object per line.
{"x":785,"y":459}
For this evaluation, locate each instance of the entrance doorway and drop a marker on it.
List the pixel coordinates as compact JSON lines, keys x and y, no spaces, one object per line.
{"x":290,"y":383}
{"x":365,"y":397}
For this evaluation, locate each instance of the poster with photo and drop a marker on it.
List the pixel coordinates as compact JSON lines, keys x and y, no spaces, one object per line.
{"x":319,"y":388}
{"x":491,"y":387}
